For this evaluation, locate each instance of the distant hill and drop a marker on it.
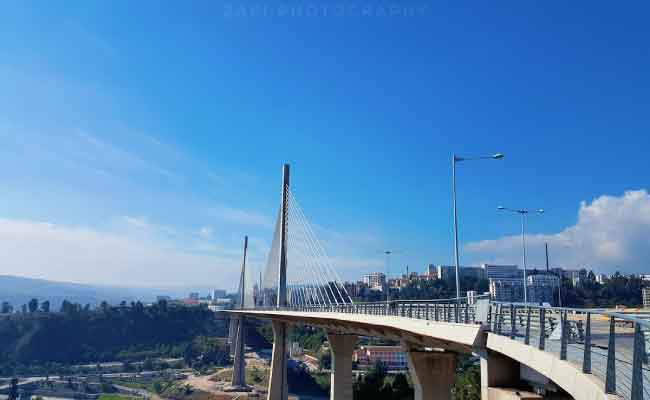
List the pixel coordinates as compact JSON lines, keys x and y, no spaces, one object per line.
{"x":19,"y":290}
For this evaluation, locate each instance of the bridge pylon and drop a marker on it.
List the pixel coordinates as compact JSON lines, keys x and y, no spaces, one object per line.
{"x":238,"y":383}
{"x":278,"y":386}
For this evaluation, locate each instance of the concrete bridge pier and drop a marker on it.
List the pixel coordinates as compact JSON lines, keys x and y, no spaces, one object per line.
{"x":433,"y":373}
{"x":342,"y":347}
{"x":497,"y":371}
{"x":278,"y":386}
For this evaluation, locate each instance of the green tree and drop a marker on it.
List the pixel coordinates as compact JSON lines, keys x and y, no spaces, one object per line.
{"x":373,"y":385}
{"x":45,"y":306}
{"x":66,"y":307}
{"x":127,"y":367}
{"x":325,"y":359}
{"x":162,"y":303}
{"x":13,"y":390}
{"x":148,"y":365}
{"x":468,"y":384}
{"x":33,"y":305}
{"x":6,"y":308}
{"x":401,"y":388}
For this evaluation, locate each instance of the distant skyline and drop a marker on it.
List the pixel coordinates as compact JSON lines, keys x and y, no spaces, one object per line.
{"x":140,"y":153}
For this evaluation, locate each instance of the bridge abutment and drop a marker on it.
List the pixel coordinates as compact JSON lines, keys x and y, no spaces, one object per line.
{"x":342,"y":347}
{"x":278,"y":386}
{"x":433,"y":374}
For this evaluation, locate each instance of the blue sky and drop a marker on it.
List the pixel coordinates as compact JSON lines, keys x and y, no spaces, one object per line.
{"x":139,"y":144}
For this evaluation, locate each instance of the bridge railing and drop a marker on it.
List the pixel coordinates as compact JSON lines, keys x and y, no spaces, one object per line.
{"x":610,"y":345}
{"x":456,"y":310}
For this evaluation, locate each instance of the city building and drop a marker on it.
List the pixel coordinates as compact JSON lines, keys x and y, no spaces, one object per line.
{"x":645,"y":293}
{"x":471,"y":296}
{"x":431,"y":272}
{"x":448,"y":272}
{"x":193,"y":296}
{"x":393,"y":357}
{"x":493,"y":271}
{"x":395,"y":283}
{"x":221,"y":304}
{"x":374,"y":280}
{"x":601,"y":278}
{"x":541,"y":287}
{"x":507,"y":289}
{"x":218,"y":294}
{"x":353,"y":288}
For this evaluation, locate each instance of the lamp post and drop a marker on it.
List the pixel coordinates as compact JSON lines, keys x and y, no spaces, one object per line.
{"x":454,"y":160}
{"x":523,"y":213}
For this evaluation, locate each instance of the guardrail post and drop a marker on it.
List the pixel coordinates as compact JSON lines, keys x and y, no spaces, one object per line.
{"x":497,"y":318}
{"x":564,"y":334}
{"x":527,"y":335}
{"x":488,"y":319}
{"x":466,"y":312}
{"x":586,"y":358}
{"x":428,"y":311}
{"x":435,"y":311}
{"x":457,"y":311}
{"x":513,"y":322}
{"x":637,"y":363}
{"x":410,"y":310}
{"x":610,"y":378}
{"x":542,"y":333}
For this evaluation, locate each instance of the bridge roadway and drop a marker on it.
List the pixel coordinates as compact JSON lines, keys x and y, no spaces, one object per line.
{"x":432,"y":347}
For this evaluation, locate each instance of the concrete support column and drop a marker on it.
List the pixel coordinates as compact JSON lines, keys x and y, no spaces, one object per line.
{"x":433,"y":374}
{"x":497,"y":371}
{"x":278,"y":387}
{"x":342,"y":347}
{"x":238,"y":371}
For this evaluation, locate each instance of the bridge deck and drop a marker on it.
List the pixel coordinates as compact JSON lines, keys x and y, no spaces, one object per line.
{"x":445,"y":335}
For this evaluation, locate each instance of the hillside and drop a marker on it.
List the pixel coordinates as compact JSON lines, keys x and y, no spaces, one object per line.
{"x":19,"y":290}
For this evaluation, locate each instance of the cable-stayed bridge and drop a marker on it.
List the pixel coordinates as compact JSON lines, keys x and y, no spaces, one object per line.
{"x":310,"y":276}
{"x":525,"y":350}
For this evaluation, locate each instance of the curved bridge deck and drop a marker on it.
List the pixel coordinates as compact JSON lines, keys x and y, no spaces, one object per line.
{"x":588,"y":353}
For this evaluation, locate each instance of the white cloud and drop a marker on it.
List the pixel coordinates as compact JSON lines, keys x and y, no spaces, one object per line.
{"x":206,"y":232}
{"x":111,"y":156}
{"x":612,"y":233}
{"x":78,"y":254}
{"x":136,"y":222}
{"x":242,"y":217}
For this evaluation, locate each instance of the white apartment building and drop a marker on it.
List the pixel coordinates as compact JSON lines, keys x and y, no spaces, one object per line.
{"x":374,"y":279}
{"x":492,"y":271}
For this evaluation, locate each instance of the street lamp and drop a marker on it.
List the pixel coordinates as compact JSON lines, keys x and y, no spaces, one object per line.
{"x":454,"y":160}
{"x":523,"y":213}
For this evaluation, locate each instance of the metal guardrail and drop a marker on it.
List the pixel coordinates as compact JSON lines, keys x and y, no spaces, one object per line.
{"x":457,"y":310}
{"x":610,"y":345}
